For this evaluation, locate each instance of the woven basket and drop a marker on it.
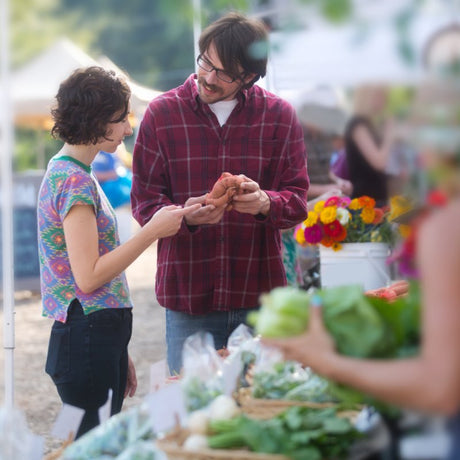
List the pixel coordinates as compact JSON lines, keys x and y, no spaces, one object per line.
{"x":56,"y":454}
{"x":268,"y":408}
{"x":172,"y":443}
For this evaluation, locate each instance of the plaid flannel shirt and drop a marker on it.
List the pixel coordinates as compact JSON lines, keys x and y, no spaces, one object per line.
{"x":180,"y":152}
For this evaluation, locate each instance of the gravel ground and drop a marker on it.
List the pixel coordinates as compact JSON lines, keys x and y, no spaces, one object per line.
{"x":35,"y":394}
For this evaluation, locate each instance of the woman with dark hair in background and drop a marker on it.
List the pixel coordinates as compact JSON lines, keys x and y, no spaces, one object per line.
{"x":368,"y":143}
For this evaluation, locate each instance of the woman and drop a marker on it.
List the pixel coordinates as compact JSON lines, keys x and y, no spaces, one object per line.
{"x":368,"y":144}
{"x":83,"y":285}
{"x":435,"y":373}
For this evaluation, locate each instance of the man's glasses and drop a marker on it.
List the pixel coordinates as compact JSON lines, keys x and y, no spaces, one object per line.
{"x":220,"y":74}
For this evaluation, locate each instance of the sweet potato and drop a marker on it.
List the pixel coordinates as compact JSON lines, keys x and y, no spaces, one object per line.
{"x":223,"y":191}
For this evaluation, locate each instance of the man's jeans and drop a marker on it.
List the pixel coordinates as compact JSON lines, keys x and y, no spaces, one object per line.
{"x":180,"y":325}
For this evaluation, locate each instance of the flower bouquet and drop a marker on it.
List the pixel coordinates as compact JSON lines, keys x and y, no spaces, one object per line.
{"x":341,"y":220}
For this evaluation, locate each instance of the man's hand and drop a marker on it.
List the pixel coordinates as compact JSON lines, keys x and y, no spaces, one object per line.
{"x":207,"y":214}
{"x":253,"y":200}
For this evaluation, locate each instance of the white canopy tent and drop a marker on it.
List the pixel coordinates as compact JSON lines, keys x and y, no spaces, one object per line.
{"x":313,"y":68}
{"x":347,"y":56}
{"x":35,"y":85}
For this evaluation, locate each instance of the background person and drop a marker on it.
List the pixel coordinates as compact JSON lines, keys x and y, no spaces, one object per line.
{"x":114,"y":176}
{"x":368,"y":143}
{"x":113,"y":171}
{"x":212,"y":272}
{"x":83,"y":286}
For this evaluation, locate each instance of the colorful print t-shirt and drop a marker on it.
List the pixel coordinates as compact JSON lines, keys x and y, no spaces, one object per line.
{"x":67,"y":183}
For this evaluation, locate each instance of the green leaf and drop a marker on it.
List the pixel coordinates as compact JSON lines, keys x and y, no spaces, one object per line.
{"x":336,"y":11}
{"x":306,"y":453}
{"x":337,"y":425}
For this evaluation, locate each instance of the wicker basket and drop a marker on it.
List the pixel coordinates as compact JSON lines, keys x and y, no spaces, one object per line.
{"x":268,"y":408}
{"x":172,"y":443}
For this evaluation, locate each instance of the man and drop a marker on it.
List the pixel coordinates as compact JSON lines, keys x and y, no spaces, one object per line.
{"x":211,"y":274}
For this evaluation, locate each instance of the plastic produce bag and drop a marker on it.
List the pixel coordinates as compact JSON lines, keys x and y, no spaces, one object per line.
{"x":16,"y":441}
{"x":202,"y":371}
{"x":127,"y":433}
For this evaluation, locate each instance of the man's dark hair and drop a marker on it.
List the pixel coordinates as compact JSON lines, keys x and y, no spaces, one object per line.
{"x":87,"y":101}
{"x":239,"y":41}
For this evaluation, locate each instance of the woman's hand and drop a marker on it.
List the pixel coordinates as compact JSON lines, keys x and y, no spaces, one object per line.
{"x":167,"y":220}
{"x":314,"y":348}
{"x":131,"y":379}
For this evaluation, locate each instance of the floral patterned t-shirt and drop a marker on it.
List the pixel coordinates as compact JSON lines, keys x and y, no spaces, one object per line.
{"x":67,"y":183}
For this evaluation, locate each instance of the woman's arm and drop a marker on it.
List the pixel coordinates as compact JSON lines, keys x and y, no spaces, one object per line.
{"x":429,"y":382}
{"x":92,"y":270}
{"x":377,"y":156}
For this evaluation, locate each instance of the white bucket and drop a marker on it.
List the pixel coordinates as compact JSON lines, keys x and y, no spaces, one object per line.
{"x":356,"y":263}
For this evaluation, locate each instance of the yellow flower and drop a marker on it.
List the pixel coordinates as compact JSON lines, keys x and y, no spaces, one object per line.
{"x":376,"y":237}
{"x":398,"y":205}
{"x":328,"y":214}
{"x":368,"y":215}
{"x":404,"y":230}
{"x":311,"y":220}
{"x":319,"y":206}
{"x":336,"y":246}
{"x":354,"y":204}
{"x":300,"y":236}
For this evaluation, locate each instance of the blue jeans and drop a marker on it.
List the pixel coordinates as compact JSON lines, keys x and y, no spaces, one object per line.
{"x":180,"y":325}
{"x":87,"y":356}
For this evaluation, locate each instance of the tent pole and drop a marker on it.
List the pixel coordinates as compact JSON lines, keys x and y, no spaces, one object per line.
{"x":40,"y":148}
{"x":196,"y":26}
{"x":6,"y":126}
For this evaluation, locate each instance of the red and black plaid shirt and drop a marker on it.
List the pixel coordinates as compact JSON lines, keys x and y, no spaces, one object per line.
{"x":180,"y":152}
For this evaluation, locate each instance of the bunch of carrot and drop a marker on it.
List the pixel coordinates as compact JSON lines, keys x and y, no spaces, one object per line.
{"x":392,"y":292}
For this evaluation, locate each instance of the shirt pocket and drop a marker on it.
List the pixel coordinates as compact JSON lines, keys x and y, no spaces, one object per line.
{"x":257,"y":159}
{"x":58,"y":357}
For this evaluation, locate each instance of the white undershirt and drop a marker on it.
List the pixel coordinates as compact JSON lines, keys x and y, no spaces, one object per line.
{"x":223,"y":109}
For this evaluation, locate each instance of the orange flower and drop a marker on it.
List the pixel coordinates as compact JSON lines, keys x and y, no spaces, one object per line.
{"x":368,"y":215}
{"x":379,"y":214}
{"x":366,"y":201}
{"x":327,"y":241}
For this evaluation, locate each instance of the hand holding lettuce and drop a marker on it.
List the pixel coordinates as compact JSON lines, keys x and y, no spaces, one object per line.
{"x":360,"y":326}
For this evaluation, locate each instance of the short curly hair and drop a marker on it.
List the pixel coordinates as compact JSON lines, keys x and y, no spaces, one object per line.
{"x":87,"y":101}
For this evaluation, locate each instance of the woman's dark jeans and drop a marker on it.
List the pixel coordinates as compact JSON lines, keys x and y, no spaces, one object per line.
{"x":87,"y":356}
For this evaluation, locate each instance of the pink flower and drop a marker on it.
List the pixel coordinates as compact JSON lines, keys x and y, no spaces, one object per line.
{"x":332,"y":201}
{"x":344,"y":201}
{"x":314,"y":234}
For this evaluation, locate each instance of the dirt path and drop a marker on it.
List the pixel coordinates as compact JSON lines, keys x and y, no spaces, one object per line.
{"x":35,"y":394}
